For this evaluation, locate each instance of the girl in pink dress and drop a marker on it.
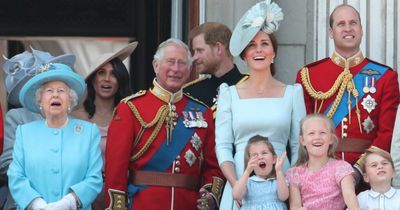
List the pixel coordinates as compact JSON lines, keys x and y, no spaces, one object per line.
{"x":319,"y":181}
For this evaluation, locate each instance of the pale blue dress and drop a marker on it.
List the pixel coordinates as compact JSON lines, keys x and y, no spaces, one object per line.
{"x":262,"y":194}
{"x":239,"y":119}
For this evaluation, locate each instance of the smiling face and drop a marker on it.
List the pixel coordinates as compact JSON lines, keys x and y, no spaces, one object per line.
{"x":264,"y":157}
{"x":259,"y":53}
{"x":378,"y":169}
{"x":316,"y":137}
{"x":172,"y":70}
{"x":346,"y":31}
{"x":105,"y":83}
{"x":55,"y":99}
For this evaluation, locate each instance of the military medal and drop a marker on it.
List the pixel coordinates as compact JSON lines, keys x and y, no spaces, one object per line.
{"x":186,"y":121}
{"x":201,"y":120}
{"x":372,"y":89}
{"x":196,"y":141}
{"x":368,"y":125}
{"x":366,"y":88}
{"x":369,"y":103}
{"x":190,"y":157}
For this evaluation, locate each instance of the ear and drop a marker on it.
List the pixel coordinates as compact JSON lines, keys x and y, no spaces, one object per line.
{"x":301,"y":140}
{"x":155,"y":66}
{"x":218,"y":48}
{"x":330,"y":33}
{"x":366,"y":177}
{"x":274,"y":160}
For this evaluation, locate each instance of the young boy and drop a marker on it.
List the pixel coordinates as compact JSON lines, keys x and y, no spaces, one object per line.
{"x":378,"y":170}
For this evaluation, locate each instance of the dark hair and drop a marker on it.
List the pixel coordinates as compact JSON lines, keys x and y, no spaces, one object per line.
{"x":124,"y":86}
{"x":340,"y":6}
{"x":213,"y":33}
{"x":274,"y":42}
{"x":265,"y":140}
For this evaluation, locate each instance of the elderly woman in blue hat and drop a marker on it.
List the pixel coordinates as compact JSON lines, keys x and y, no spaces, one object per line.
{"x":260,"y":105}
{"x":18,"y":70}
{"x":56,"y":160}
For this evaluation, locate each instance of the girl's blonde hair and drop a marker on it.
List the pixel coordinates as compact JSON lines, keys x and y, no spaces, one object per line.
{"x":265,"y":140}
{"x":374,"y":150}
{"x":303,"y":154}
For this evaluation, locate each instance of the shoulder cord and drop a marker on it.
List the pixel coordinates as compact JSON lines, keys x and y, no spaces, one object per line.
{"x":343,"y":82}
{"x":158,"y":120}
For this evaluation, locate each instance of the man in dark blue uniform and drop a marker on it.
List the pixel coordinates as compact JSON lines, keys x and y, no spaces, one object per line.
{"x":210,"y":46}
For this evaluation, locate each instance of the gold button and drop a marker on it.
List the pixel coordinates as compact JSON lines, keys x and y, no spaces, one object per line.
{"x":177,"y":169}
{"x":345,"y":119}
{"x":344,"y":135}
{"x":345,"y":126}
{"x":178,"y":163}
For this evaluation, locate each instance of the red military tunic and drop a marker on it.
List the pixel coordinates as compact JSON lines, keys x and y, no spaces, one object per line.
{"x":197,"y":157}
{"x":376,"y":125}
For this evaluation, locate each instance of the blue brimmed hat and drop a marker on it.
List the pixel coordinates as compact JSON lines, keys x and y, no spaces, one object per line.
{"x":24,"y":66}
{"x":47,"y":73}
{"x":263,"y":16}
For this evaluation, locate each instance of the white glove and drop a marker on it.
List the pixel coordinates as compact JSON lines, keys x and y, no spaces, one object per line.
{"x":68,"y":202}
{"x":38,"y":204}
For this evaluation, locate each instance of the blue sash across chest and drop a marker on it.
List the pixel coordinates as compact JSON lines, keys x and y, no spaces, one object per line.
{"x":358,"y":79}
{"x":166,"y":153}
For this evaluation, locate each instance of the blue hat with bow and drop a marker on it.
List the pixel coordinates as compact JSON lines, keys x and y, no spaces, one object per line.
{"x":22,"y":67}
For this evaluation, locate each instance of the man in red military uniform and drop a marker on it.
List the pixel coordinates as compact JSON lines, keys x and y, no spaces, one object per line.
{"x":160,"y":150}
{"x":360,"y":95}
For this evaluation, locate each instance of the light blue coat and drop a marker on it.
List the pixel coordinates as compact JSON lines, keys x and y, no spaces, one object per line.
{"x":52,"y":162}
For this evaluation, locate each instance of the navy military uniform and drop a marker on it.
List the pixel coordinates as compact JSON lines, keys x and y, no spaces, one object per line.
{"x":206,"y":88}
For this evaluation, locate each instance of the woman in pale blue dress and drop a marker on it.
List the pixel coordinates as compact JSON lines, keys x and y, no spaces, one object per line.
{"x":261,"y":104}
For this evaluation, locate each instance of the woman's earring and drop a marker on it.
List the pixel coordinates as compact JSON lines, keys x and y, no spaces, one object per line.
{"x":69,"y":109}
{"x":40,"y":107}
{"x":272,"y":61}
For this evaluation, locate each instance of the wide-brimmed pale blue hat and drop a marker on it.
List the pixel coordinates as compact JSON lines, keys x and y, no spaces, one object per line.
{"x":24,"y":66}
{"x":264,"y":16}
{"x":50,"y":72}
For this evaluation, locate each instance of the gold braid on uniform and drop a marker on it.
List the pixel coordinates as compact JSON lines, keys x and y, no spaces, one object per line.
{"x":157,"y":121}
{"x":343,"y":82}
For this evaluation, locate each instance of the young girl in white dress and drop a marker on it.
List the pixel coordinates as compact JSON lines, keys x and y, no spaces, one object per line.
{"x":262,"y":185}
{"x":378,"y":170}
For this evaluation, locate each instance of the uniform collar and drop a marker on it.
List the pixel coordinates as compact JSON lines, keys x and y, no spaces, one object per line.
{"x":389,"y":194}
{"x":352,"y":61}
{"x":165,"y":95}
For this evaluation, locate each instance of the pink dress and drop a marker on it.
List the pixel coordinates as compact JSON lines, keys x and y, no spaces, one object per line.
{"x":321,"y":189}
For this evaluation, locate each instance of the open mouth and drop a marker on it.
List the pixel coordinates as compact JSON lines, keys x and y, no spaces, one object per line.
{"x":348,"y":37}
{"x":317,"y":144}
{"x":259,"y":58}
{"x":381,"y":172}
{"x":262,"y":165}
{"x":55,"y":104}
{"x":107,"y":87}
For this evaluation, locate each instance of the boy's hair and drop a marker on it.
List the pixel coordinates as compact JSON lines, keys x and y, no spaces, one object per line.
{"x":256,"y":139}
{"x":374,"y":150}
{"x":303,"y":154}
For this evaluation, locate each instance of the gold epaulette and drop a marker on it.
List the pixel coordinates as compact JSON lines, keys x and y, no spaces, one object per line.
{"x":244,"y":78}
{"x":195,"y":99}
{"x":195,"y":81}
{"x":135,"y":95}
